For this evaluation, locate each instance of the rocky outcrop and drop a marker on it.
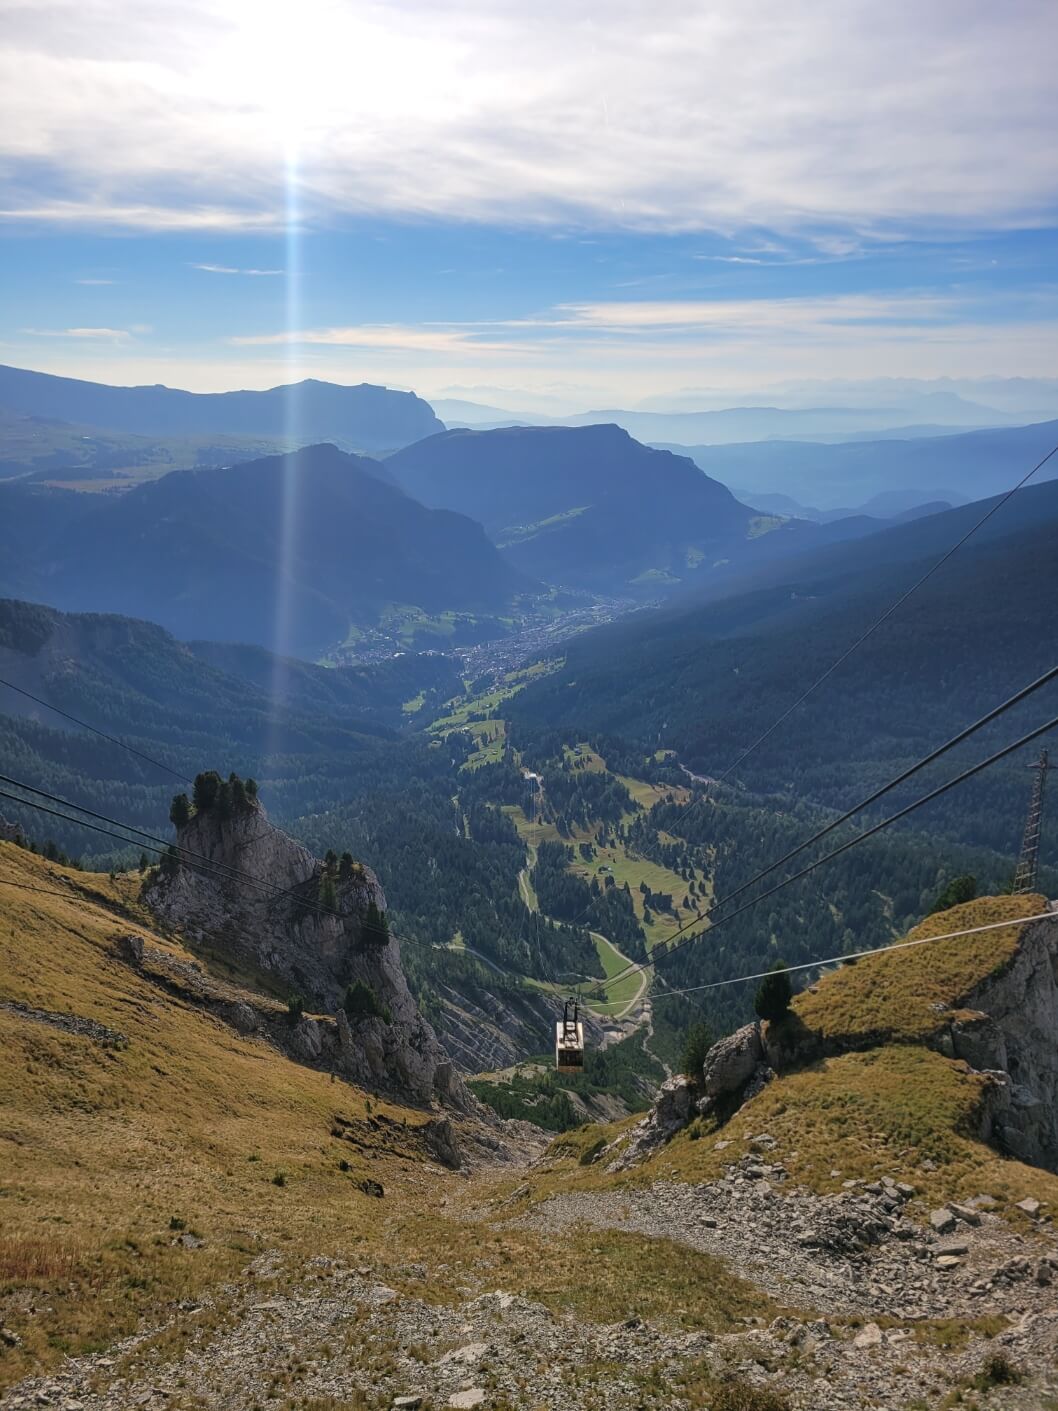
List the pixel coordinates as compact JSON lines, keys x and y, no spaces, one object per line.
{"x":731,"y":1063}
{"x":1004,"y":1028}
{"x":1008,"y":1029}
{"x":673,"y":1109}
{"x":260,"y":901}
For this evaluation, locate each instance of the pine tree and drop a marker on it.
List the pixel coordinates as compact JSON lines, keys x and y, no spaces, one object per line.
{"x":773,"y":996}
{"x":207,"y":789}
{"x":180,"y":811}
{"x":361,"y":1002}
{"x":696,"y":1045}
{"x":958,"y":890}
{"x":374,"y":929}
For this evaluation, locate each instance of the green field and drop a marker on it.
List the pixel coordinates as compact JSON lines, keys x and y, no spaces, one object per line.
{"x":461,"y":707}
{"x":599,"y":996}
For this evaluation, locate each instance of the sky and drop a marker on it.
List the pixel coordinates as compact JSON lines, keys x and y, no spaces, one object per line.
{"x":557,"y":206}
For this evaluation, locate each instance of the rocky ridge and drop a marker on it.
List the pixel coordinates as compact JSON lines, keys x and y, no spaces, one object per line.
{"x":261,"y":905}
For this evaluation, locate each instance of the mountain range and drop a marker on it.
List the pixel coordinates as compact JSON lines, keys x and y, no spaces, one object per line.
{"x":586,"y":506}
{"x":708,"y":674}
{"x":967,"y":466}
{"x":295,"y":551}
{"x":363,"y":418}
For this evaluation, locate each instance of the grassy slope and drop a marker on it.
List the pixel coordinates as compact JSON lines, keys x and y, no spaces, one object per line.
{"x":102,"y":1147}
{"x":885,"y":1111}
{"x":904,"y":995}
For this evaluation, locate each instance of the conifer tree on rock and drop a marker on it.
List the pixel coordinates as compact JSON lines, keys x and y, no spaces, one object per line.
{"x":772,"y":1001}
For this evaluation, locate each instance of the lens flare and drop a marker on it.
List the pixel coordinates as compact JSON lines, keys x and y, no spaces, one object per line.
{"x":293,"y":436}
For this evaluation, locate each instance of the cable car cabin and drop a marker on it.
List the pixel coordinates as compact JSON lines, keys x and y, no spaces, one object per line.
{"x":569,"y":1041}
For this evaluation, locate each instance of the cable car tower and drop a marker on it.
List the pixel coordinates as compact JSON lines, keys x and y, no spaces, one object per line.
{"x":1026,"y":874}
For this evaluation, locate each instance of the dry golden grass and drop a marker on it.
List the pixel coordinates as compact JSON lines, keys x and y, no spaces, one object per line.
{"x":897,"y":1108}
{"x":107,"y":1154}
{"x":27,"y":1260}
{"x":906,"y":994}
{"x":601,"y":1275}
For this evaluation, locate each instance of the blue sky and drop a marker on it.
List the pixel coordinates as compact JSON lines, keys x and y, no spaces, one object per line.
{"x":560,"y":206}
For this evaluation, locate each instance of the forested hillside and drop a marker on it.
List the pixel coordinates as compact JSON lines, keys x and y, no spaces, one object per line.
{"x":300,"y":551}
{"x":331,"y":769}
{"x":586,"y":506}
{"x":707,"y":681}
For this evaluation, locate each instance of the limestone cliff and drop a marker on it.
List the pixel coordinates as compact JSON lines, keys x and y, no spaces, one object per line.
{"x":1009,"y":1028}
{"x":259,"y":899}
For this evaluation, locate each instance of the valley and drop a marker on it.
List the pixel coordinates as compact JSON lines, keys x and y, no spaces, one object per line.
{"x":330,"y":778}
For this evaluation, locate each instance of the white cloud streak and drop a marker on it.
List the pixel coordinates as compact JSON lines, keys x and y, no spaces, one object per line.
{"x":863,"y":115}
{"x":382,"y":337}
{"x":98,"y":334}
{"x":229,"y":269}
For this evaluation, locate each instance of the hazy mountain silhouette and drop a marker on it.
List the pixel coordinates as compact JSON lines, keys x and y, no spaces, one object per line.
{"x":363,"y":418}
{"x":587,"y":506}
{"x":286,"y":551}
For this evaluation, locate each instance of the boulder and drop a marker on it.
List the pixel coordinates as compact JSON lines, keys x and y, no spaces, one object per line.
{"x":306,"y":1039}
{"x":979,"y":1041}
{"x":672,"y":1111}
{"x":871,"y":1336}
{"x":242,"y":1018}
{"x":440,"y":1140}
{"x":129,"y":948}
{"x":731,"y":1063}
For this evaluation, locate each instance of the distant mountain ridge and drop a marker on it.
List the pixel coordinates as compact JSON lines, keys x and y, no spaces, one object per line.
{"x":584,"y":506}
{"x":364,"y":417}
{"x":969,"y":465}
{"x":287,"y":551}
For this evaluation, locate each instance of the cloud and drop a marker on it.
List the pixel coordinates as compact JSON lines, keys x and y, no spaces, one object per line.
{"x":101,"y":334}
{"x":382,"y":337}
{"x":677,"y":316}
{"x":94,"y":281}
{"x":863,"y":117}
{"x":228,"y":269}
{"x":633,"y":348}
{"x":156,"y":217}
